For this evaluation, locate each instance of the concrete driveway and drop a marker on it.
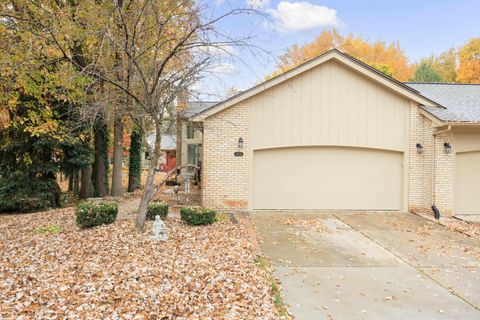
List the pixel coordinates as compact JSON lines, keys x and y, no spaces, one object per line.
{"x":371,"y":266}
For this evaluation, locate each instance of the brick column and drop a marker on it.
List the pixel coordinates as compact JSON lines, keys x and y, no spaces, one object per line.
{"x":225,"y":176}
{"x":444,"y":180}
{"x":420,"y":165}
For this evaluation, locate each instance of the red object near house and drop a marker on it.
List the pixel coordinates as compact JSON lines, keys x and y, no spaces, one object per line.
{"x":171,"y":162}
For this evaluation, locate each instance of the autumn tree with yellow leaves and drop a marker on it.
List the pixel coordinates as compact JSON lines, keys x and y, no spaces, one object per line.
{"x":140,"y":54}
{"x":387,"y":58}
{"x":469,"y":62}
{"x":443,"y":64}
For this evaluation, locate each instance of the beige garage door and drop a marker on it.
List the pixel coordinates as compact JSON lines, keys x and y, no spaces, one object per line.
{"x":327,"y":178}
{"x":467,"y":176}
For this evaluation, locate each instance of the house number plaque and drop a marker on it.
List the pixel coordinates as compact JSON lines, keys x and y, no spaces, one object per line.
{"x":238,"y":154}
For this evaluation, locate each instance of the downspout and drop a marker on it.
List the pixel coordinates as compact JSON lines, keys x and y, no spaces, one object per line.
{"x":435,"y":210}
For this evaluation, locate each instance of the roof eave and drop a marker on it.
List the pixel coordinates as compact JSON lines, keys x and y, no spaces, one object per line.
{"x":463,"y":123}
{"x":440,"y":122}
{"x":436,"y":120}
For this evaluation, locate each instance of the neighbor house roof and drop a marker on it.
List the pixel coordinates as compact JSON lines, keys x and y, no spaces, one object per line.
{"x":193,"y":108}
{"x":462,"y":101}
{"x":168,"y":142}
{"x":337,"y":55}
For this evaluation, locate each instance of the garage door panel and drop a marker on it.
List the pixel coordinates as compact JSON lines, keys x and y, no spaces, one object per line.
{"x":467,"y":176}
{"x":327,"y":178}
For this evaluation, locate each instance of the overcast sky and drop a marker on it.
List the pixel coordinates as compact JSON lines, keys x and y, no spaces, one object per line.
{"x":421,"y":26}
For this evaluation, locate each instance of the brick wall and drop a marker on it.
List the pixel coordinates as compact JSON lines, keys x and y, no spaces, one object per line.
{"x":225,"y":177}
{"x":420,"y":165}
{"x":444,"y":189}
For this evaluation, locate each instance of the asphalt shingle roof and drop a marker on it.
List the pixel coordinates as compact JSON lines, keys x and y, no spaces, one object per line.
{"x":168,"y":142}
{"x":194,"y":107}
{"x":462,"y":101}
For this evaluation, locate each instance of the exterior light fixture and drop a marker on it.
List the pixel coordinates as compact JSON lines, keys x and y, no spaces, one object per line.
{"x":419,"y":148}
{"x":240,"y":143}
{"x":447,"y":148}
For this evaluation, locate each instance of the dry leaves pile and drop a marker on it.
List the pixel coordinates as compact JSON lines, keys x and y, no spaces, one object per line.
{"x":110,"y":272}
{"x":471,"y":229}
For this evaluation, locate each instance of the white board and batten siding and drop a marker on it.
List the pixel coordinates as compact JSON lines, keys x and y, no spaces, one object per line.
{"x":319,"y":130}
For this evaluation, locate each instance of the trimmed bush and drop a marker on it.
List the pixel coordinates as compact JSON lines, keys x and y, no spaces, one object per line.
{"x":196,"y":216}
{"x":90,"y":214}
{"x":157,"y":208}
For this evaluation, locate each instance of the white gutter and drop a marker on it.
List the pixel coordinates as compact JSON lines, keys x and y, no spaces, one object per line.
{"x":443,"y":131}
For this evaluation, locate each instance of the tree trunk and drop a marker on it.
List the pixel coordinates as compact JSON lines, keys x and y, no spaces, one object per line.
{"x":149,"y":192}
{"x":135,"y":162}
{"x":100,"y":165}
{"x":76,"y":182}
{"x":117,"y":157}
{"x":70,"y":182}
{"x":85,"y":182}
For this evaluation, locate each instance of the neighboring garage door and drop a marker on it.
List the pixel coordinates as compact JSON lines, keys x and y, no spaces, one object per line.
{"x":467,"y":176}
{"x":327,"y":178}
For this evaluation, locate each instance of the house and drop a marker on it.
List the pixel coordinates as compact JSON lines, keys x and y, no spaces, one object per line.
{"x":336,"y":134}
{"x":168,"y":146}
{"x":189,"y":135}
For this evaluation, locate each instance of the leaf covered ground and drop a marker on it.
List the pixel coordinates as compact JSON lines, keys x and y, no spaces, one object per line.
{"x":50,"y":269}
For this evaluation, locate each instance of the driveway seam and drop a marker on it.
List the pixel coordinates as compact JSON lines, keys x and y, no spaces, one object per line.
{"x":368,"y":266}
{"x":405,"y":261}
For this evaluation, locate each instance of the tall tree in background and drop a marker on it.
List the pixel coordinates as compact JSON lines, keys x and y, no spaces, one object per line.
{"x":444,"y":64}
{"x":469,"y":62}
{"x":426,"y":73}
{"x":135,"y":162}
{"x":41,"y":136}
{"x":117,"y":155}
{"x":387,"y":58}
{"x":100,"y":172}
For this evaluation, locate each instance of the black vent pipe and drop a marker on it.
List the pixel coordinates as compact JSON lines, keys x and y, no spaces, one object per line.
{"x":436,"y":213}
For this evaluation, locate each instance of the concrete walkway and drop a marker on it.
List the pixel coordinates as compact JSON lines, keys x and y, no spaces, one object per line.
{"x":128,"y":208}
{"x":371,"y":266}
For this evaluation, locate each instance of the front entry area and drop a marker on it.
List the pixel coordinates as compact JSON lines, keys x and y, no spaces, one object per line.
{"x":336,"y":178}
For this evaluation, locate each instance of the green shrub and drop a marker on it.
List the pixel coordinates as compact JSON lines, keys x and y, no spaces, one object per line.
{"x":157,"y":208}
{"x":196,"y":216}
{"x":25,"y":193}
{"x":90,"y":214}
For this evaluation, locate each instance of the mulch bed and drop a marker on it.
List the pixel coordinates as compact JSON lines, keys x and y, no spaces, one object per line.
{"x":112,"y":272}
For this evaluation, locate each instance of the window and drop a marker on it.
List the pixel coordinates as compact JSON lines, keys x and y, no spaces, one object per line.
{"x":190,"y":131}
{"x":193,"y":155}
